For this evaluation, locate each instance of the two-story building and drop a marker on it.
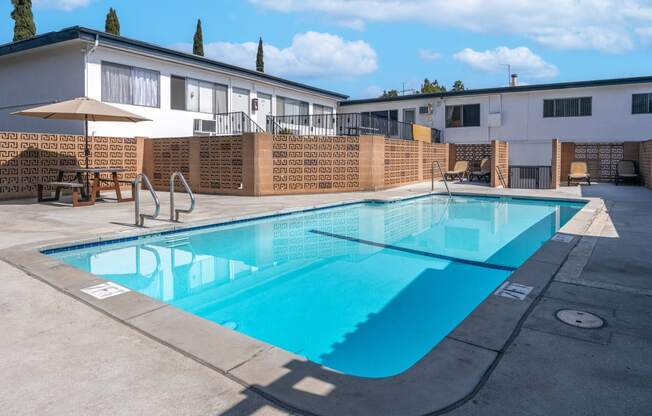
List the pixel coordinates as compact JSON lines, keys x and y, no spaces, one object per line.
{"x":182,"y":94}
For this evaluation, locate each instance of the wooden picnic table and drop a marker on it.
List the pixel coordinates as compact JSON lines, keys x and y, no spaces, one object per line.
{"x":98,"y":182}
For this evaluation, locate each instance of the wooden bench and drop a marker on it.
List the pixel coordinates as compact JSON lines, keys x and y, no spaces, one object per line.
{"x":76,"y":188}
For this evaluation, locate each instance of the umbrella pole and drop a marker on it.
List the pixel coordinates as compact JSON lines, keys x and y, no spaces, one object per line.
{"x":86,"y":152}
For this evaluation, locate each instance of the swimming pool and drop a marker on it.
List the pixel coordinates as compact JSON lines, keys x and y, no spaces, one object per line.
{"x":366,"y":289}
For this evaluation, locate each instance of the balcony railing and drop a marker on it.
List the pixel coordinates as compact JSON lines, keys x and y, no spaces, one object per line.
{"x":227,"y":124}
{"x":343,"y":124}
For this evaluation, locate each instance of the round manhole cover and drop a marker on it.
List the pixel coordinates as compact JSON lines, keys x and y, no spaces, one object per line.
{"x":580,"y":319}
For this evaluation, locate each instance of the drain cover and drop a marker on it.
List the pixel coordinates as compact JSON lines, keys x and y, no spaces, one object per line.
{"x":580,"y":319}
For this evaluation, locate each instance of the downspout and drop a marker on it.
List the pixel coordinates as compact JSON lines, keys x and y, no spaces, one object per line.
{"x":86,"y":55}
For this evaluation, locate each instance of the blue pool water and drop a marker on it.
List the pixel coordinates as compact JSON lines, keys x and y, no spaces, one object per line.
{"x":365,"y":289}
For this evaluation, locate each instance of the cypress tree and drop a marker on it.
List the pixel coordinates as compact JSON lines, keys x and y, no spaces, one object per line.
{"x":112,"y":24}
{"x":198,"y":41}
{"x":260,"y":61}
{"x":24,"y":27}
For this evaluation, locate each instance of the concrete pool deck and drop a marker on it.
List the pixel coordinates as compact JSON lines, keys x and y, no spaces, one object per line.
{"x":59,"y":341}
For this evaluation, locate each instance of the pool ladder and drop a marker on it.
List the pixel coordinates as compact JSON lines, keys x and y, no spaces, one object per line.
{"x":432,"y":177}
{"x":174,"y":213}
{"x":139,"y":217}
{"x":135,"y":187}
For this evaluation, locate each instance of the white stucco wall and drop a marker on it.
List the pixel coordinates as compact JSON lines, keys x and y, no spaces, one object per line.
{"x":523,"y":124}
{"x":170,"y":123}
{"x":33,"y":78}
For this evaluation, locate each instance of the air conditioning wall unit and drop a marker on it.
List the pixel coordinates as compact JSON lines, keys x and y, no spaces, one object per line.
{"x":426,"y":109}
{"x":205,"y":126}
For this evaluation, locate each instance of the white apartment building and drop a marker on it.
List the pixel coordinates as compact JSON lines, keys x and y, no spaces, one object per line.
{"x":172,"y":88}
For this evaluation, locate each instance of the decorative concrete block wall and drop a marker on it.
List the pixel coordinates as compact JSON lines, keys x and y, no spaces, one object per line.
{"x":403,"y":161}
{"x":27,"y":159}
{"x":210,"y":164}
{"x":601,"y":158}
{"x":314,"y":164}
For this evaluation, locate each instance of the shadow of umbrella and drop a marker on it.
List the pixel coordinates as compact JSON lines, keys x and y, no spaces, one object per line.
{"x":84,"y":109}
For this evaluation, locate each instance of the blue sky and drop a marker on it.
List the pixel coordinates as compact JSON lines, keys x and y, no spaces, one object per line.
{"x":360,"y":47}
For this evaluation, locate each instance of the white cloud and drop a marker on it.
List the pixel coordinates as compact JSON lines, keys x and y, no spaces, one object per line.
{"x":522,"y":60}
{"x":428,"y":55}
{"x":355,"y":24}
{"x":311,"y":54}
{"x":66,"y":5}
{"x":604,"y":25}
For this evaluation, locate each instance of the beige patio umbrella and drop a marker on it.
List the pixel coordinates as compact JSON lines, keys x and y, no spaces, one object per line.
{"x":82,"y":108}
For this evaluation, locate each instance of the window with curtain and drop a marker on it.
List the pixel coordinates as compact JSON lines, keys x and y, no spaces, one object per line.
{"x":123,"y":84}
{"x":192,"y":95}
{"x":205,"y":97}
{"x":467,"y":115}
{"x":220,"y":98}
{"x":567,"y":107}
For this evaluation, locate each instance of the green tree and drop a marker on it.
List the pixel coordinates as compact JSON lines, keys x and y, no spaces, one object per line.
{"x":198,"y":40}
{"x":458,"y":86}
{"x":260,"y":61}
{"x":430,"y":87}
{"x":112,"y":24}
{"x":389,"y":93}
{"x":24,"y":27}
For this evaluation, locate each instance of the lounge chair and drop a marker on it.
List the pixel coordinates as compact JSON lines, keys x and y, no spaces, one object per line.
{"x":458,"y":172}
{"x":578,"y":172}
{"x":626,"y":170}
{"x":484,"y":173}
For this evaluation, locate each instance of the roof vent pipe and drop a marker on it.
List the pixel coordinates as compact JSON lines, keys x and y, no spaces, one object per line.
{"x":514,"y":80}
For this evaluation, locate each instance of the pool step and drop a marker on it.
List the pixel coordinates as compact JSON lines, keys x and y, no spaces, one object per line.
{"x":176,"y":240}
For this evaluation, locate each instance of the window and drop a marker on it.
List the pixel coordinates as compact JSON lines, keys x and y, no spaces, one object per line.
{"x":290,"y":107}
{"x":195,"y":95}
{"x":567,"y":107}
{"x":221,"y":92}
{"x":467,"y":115}
{"x":642,"y":103}
{"x":409,"y":116}
{"x":321,"y":109}
{"x":123,"y":84}
{"x":177,"y":93}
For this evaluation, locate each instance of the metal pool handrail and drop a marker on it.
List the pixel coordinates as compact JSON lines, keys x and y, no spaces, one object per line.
{"x":501,"y":177}
{"x":174,"y":213}
{"x":432,"y":177}
{"x":135,"y":186}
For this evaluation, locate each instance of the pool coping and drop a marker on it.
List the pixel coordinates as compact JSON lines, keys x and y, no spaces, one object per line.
{"x":444,"y":378}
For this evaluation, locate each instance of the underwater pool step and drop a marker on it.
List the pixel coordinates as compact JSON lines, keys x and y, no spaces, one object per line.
{"x":417,"y":252}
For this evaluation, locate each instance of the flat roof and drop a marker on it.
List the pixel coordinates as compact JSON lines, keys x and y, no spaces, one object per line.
{"x":501,"y":90}
{"x":82,"y":33}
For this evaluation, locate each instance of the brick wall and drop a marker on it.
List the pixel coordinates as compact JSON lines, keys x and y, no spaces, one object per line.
{"x":555,"y":162}
{"x":27,"y":159}
{"x":499,"y":163}
{"x":645,"y":162}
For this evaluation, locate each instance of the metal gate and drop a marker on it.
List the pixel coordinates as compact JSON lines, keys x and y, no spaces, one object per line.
{"x":530,"y":177}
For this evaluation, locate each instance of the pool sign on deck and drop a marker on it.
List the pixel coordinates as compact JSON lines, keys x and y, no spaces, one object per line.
{"x":365,"y":289}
